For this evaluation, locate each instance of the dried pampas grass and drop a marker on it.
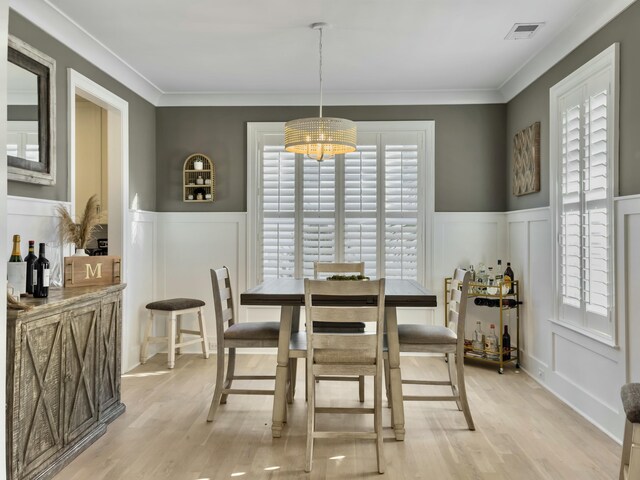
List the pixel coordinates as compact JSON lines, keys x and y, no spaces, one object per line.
{"x":80,"y":233}
{"x":13,"y":304}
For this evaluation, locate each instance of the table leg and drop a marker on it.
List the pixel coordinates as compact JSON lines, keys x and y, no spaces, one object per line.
{"x":280,"y":396}
{"x":394,"y":372}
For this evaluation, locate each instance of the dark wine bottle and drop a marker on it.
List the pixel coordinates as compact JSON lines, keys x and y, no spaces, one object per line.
{"x":30,"y":259}
{"x":509,"y":272}
{"x":506,"y":344}
{"x":15,"y":253}
{"x":41,"y":287}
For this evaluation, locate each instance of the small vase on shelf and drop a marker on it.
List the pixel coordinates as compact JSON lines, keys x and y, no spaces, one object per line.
{"x":80,"y":252}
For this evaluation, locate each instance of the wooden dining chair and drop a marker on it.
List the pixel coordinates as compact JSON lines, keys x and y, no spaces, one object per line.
{"x":343,"y":268}
{"x":230,"y":335}
{"x":440,"y":339}
{"x":344,"y":354}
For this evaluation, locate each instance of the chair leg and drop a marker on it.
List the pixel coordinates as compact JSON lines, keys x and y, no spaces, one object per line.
{"x":179,"y":336}
{"x":217,"y":392}
{"x":203,"y":333}
{"x":361,"y":388}
{"x":463,"y":391}
{"x":231,"y":367}
{"x":453,"y":378}
{"x":145,"y":341}
{"x":311,"y":414}
{"x":387,"y":383}
{"x":293,"y":371}
{"x":171,"y":340}
{"x":377,"y":414}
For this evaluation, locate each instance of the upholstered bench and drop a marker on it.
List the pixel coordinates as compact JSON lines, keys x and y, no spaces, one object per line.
{"x":174,"y":308}
{"x":630,"y":465}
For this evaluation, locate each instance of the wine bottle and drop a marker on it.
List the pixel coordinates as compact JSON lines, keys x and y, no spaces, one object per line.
{"x":478,"y":339}
{"x":491,"y":343}
{"x":15,"y":254}
{"x":508,"y":272}
{"x":30,"y":259}
{"x":506,"y":344}
{"x":41,"y":288}
{"x":499,"y":272}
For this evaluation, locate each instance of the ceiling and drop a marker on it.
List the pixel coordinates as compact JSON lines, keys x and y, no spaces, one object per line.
{"x":375,"y":48}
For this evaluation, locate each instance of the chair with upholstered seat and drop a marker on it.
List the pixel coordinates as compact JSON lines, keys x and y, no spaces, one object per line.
{"x":440,"y":339}
{"x":630,"y":464}
{"x":230,"y":335}
{"x":174,"y":309}
{"x":342,"y":268}
{"x":357,"y":354}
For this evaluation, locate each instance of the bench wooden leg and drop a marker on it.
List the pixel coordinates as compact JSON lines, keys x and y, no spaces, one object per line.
{"x":171,"y":340}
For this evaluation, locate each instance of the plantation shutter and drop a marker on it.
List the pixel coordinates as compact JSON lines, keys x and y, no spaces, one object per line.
{"x":585,"y":232}
{"x":361,"y":205}
{"x":401,"y":206}
{"x":318,"y":210}
{"x":278,"y":209}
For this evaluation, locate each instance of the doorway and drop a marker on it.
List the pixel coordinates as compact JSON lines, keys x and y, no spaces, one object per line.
{"x":92,"y":167}
{"x":116,"y":138}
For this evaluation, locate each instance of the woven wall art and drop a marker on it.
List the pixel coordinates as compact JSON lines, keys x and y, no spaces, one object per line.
{"x":526,"y":160}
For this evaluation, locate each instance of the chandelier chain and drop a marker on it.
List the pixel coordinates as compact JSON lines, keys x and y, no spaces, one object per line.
{"x":321,"y":29}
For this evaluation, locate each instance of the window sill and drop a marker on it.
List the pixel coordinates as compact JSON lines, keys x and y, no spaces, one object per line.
{"x":601,"y":339}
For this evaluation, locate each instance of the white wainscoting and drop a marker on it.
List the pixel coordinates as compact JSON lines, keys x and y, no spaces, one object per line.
{"x":462,"y":239}
{"x":583,"y":372}
{"x":142,"y":285}
{"x":36,"y":219}
{"x":189,"y":244}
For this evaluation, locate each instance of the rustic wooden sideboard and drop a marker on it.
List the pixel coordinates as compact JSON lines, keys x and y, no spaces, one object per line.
{"x":63,"y":377}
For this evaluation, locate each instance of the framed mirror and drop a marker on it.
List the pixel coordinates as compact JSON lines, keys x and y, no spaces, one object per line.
{"x":31,"y":87}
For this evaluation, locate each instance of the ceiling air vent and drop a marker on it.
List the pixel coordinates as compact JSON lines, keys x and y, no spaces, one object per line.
{"x":523,"y":31}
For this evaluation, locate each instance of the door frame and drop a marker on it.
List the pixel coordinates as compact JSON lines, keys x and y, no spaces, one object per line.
{"x":117,"y":156}
{"x":118,"y":166}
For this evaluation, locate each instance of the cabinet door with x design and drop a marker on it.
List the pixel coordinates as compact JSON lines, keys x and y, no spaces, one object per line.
{"x":38,"y":431}
{"x":80,"y":385}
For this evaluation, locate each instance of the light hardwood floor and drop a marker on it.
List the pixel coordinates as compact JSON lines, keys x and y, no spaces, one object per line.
{"x":522,"y":432}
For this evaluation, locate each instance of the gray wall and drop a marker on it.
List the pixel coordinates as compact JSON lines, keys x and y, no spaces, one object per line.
{"x":142,"y":161}
{"x":532,"y":105}
{"x":470,"y":155}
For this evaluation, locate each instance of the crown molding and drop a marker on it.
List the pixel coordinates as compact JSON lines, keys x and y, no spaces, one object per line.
{"x":57,"y":24}
{"x":587,"y":22}
{"x":256,"y":99}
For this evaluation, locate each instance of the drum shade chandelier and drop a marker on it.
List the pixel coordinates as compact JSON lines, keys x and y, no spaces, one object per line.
{"x":320,"y":137}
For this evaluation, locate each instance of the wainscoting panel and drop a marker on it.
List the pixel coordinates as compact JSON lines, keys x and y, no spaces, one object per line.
{"x":460,"y":240}
{"x":141,"y":285}
{"x":585,"y":373}
{"x":189,"y":245}
{"x":36,"y":219}
{"x":628,"y":282}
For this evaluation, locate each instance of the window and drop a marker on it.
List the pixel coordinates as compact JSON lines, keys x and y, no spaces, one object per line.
{"x":583,"y":158}
{"x":370,"y":205}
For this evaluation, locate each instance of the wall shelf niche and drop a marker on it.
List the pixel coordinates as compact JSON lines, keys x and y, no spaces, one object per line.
{"x":198,"y":179}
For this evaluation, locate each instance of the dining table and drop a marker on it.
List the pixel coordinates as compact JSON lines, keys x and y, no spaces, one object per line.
{"x":288,"y":294}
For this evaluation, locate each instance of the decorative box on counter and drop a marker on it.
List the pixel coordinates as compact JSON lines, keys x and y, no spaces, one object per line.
{"x":81,"y":271}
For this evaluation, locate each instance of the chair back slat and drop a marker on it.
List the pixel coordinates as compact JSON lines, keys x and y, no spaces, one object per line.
{"x":342,"y":315}
{"x":345,"y":288}
{"x":222,"y":302}
{"x":352,"y":341}
{"x":458,"y":301}
{"x":338,"y":267}
{"x":351,"y":348}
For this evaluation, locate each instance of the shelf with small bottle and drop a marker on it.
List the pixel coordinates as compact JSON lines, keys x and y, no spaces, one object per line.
{"x":494,"y":348}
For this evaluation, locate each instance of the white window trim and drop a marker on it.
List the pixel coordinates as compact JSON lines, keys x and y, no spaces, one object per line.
{"x":607,"y":61}
{"x":426,"y":188}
